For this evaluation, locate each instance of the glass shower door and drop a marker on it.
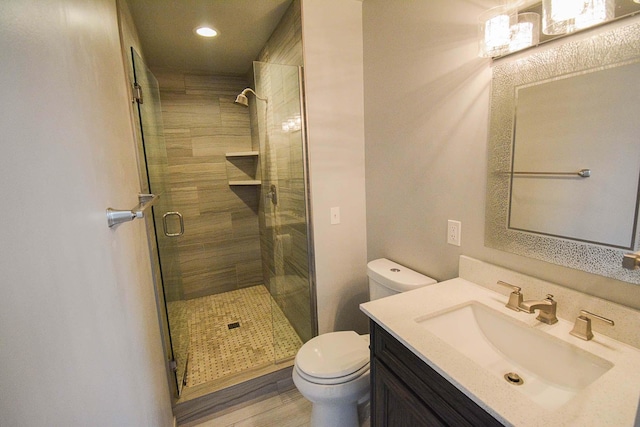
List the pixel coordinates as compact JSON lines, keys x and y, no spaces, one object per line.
{"x":283,"y":205}
{"x":167,"y":223}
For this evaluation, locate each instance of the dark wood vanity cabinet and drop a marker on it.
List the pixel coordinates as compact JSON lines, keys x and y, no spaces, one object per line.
{"x":406,"y":392}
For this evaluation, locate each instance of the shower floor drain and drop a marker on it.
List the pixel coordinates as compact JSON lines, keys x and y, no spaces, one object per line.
{"x":513,"y":378}
{"x":233,"y":325}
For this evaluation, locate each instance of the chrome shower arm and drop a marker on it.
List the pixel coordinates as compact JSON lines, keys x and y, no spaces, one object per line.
{"x":244,"y":92}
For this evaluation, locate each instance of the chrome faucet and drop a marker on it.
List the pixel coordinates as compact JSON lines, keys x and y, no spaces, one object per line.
{"x":547,"y":307}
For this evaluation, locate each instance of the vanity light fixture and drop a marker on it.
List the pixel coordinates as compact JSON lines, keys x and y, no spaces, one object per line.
{"x":206,"y":32}
{"x":502,"y":30}
{"x":566,"y":16}
{"x":526,"y":32}
{"x":494,"y":27}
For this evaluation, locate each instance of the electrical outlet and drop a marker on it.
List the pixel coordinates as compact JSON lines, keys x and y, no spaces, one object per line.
{"x":454,"y":232}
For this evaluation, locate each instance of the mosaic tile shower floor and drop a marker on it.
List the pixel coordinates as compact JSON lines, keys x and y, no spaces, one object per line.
{"x":263,"y":337}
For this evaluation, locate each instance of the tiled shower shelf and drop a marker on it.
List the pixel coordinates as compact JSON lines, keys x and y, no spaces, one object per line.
{"x":242,"y":154}
{"x":239,"y":154}
{"x":246,"y":182}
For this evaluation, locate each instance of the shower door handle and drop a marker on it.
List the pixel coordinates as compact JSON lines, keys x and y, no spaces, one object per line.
{"x":166,"y":228}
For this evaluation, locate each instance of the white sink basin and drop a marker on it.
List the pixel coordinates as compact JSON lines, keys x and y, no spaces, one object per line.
{"x":553,"y":371}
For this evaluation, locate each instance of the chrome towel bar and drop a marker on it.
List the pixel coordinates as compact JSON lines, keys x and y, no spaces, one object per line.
{"x":115,"y":216}
{"x":583,"y":173}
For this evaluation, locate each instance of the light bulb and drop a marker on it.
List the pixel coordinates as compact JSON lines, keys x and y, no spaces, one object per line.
{"x":597,"y":11}
{"x":526,"y":32}
{"x":566,"y":16}
{"x":206,"y":32}
{"x":561,"y":10}
{"x":494,"y":30}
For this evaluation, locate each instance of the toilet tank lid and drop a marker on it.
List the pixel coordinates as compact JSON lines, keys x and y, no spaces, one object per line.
{"x":395,"y":276}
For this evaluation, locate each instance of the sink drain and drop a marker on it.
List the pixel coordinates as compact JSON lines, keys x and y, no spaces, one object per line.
{"x":513,"y":378}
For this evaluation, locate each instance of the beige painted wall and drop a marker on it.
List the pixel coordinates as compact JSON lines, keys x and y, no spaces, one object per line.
{"x":426,"y":116}
{"x":332,"y":41}
{"x":78,"y":322}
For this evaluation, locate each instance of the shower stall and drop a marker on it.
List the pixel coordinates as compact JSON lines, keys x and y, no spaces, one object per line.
{"x":230,"y":231}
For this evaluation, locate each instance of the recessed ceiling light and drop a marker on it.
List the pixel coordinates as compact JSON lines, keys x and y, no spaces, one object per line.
{"x":206,"y":32}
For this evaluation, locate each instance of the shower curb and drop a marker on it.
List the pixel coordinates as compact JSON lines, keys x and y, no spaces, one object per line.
{"x":255,"y":389}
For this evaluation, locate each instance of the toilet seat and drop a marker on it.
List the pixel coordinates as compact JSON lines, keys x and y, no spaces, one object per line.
{"x":333,"y":358}
{"x":333,"y":381}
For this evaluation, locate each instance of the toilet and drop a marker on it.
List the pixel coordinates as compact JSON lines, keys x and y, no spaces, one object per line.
{"x":332,"y":370}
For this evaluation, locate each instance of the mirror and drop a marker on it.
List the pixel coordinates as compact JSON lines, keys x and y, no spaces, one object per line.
{"x":577,"y":175}
{"x":555,"y":113}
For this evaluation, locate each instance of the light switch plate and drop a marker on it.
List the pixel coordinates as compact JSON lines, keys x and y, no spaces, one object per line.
{"x":335,"y":215}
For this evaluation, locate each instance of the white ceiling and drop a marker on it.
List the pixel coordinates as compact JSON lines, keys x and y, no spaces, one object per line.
{"x":166,"y":32}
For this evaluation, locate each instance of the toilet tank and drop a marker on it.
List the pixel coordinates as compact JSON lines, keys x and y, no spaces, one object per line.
{"x":388,"y":278}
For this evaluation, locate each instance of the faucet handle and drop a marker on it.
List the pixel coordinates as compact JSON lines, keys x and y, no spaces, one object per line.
{"x":582,"y":327}
{"x":515,"y":298}
{"x":550,"y":297}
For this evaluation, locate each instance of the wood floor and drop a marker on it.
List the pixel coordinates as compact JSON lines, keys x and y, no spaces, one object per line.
{"x":287,"y":409}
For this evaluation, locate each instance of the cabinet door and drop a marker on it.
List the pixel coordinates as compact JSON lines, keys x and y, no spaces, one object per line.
{"x":413,"y":390}
{"x":395,"y":405}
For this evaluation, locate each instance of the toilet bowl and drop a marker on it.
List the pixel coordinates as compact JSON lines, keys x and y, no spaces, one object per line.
{"x":332,"y":372}
{"x":332,"y":369}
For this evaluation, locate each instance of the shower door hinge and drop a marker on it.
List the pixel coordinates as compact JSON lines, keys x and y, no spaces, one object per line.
{"x":173,"y":365}
{"x":137,"y":93}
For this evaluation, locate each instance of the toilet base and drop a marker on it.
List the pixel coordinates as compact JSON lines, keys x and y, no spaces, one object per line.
{"x":334,"y":405}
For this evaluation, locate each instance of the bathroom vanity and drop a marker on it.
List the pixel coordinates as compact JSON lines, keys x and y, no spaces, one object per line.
{"x":453,"y":354}
{"x":408,"y":392}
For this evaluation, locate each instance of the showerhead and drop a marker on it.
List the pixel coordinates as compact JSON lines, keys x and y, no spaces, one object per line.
{"x":242,"y":100}
{"x":242,"y":97}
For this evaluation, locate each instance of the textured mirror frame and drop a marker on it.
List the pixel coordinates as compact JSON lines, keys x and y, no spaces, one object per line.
{"x":608,"y":48}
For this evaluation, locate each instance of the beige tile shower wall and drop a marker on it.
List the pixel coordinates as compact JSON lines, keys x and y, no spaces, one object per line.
{"x":293,"y":232}
{"x":220,"y":248}
{"x":283,"y":47}
{"x":285,"y":44}
{"x":284,"y":235}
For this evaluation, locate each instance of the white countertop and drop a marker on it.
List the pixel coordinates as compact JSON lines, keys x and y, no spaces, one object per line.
{"x":611,"y":400}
